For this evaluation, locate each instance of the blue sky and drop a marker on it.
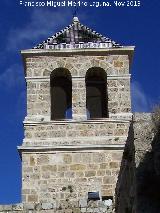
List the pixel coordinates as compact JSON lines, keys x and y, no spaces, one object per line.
{"x":24,"y":27}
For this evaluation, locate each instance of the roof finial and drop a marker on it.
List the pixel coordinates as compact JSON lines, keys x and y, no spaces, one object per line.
{"x":75,"y":19}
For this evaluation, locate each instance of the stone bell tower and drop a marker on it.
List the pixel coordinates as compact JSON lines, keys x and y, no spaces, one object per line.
{"x":78,"y":116}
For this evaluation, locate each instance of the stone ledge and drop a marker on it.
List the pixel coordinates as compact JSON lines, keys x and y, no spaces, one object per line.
{"x":10,"y":208}
{"x":79,"y":139}
{"x":71,"y":148}
{"x":96,"y":121}
{"x":94,"y":50}
{"x":89,"y":207}
{"x":43,"y":78}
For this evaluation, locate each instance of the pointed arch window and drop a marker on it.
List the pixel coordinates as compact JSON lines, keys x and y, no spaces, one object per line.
{"x":96,"y":93}
{"x":61,"y":94}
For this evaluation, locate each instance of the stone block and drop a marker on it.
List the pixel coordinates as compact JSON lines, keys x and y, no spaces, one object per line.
{"x":42,"y":159}
{"x":62,"y":168}
{"x":114,"y":165}
{"x":83,"y":210}
{"x":60,"y":174}
{"x":32,"y":161}
{"x":67,"y":158}
{"x":28,"y":206}
{"x":47,"y":206}
{"x":86,"y":158}
{"x":92,"y":166}
{"x":81,"y":180}
{"x":76,"y":210}
{"x":104,"y":165}
{"x":117,"y":156}
{"x":38,"y":206}
{"x":32,"y":198}
{"x":45,"y":175}
{"x":90,"y":173}
{"x":28,"y":169}
{"x":49,"y":168}
{"x":79,"y":174}
{"x":107,"y":192}
{"x":69,"y":174}
{"x":35,"y":176}
{"x":101,"y":172}
{"x":99,"y":157}
{"x":68,"y":211}
{"x":118,"y":64}
{"x":17,"y":207}
{"x":5,"y":208}
{"x":26,"y":191}
{"x":108,"y":180}
{"x":78,"y":167}
{"x":83,"y":203}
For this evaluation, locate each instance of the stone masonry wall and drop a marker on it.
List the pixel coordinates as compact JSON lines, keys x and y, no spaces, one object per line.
{"x":39,"y":68}
{"x":138,"y":183}
{"x":147,"y":178}
{"x":143,"y":133}
{"x":61,"y":176}
{"x":126,"y":184}
{"x":76,"y":133}
{"x":89,"y":168}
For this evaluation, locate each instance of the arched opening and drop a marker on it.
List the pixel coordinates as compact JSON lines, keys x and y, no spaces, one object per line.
{"x":96,"y":93}
{"x":61,"y":94}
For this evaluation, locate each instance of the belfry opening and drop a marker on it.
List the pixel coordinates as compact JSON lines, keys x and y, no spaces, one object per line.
{"x":61,"y":94}
{"x":96,"y":93}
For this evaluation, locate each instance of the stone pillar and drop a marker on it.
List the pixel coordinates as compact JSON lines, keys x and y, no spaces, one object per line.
{"x":38,"y":99}
{"x":79,"y":99}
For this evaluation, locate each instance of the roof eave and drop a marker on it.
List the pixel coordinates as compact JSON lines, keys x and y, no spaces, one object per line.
{"x":42,"y":51}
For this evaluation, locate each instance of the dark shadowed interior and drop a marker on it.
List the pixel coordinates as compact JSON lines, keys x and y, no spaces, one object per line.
{"x":96,"y":93}
{"x":61,"y":94}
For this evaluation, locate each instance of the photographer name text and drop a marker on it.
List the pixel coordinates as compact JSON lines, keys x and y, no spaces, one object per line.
{"x":81,"y":4}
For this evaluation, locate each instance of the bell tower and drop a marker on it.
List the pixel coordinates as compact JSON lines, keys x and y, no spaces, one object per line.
{"x":78,"y":116}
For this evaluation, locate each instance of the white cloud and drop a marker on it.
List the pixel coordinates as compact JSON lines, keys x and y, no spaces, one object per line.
{"x":12,"y":78}
{"x":140,"y":101}
{"x":43,"y":23}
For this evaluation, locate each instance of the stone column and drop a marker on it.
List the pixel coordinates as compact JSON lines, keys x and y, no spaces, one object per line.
{"x":79,"y":98}
{"x":38,"y":99}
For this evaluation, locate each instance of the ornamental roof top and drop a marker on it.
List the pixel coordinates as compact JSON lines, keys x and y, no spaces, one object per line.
{"x":77,"y":35}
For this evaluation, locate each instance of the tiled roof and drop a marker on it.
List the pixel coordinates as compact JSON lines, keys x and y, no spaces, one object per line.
{"x":77,"y":35}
